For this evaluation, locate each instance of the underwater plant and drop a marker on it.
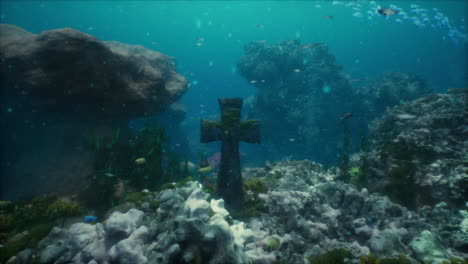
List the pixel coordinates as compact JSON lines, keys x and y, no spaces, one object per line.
{"x":343,"y":153}
{"x":139,"y":161}
{"x":29,"y":240}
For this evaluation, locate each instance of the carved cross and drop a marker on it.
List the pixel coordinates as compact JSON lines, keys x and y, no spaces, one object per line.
{"x":230,"y":130}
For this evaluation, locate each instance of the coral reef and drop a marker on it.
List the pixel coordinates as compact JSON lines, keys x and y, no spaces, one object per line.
{"x":302,"y":93}
{"x":390,"y":89}
{"x":184,"y":228}
{"x":306,"y":216}
{"x":313,"y":214}
{"x":418,"y":151}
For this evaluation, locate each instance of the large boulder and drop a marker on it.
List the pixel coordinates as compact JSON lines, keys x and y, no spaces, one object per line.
{"x":418,"y":151}
{"x":62,"y":84}
{"x":70,"y":71}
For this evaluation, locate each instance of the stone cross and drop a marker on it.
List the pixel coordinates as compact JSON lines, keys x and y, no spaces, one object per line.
{"x":230,"y":130}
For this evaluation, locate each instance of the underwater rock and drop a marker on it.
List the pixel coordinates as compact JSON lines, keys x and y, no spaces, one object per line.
{"x":427,"y":247}
{"x":24,"y":257}
{"x":120,"y":225}
{"x":329,"y":215}
{"x":63,"y":84}
{"x":302,"y":93}
{"x":189,"y":226}
{"x":173,"y":234}
{"x":392,"y":88}
{"x":420,"y":161}
{"x":69,"y":71}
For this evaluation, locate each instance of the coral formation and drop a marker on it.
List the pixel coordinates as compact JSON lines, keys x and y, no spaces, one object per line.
{"x":303,"y":93}
{"x":300,"y":91}
{"x":416,"y":151}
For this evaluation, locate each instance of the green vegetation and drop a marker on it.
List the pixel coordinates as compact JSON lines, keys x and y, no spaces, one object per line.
{"x":28,"y":240}
{"x":253,"y":205}
{"x":138,"y":161}
{"x":272,"y":244}
{"x":336,"y":256}
{"x":343,"y":153}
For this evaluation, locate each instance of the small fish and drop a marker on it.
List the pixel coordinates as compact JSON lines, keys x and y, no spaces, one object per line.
{"x":297,"y":70}
{"x":292,"y":139}
{"x":140,"y":161}
{"x":253,"y":81}
{"x":346,"y":116}
{"x":386,"y":11}
{"x":405,"y":116}
{"x":90,"y":219}
{"x":200,"y":39}
{"x":108,"y":174}
{"x":198,"y":44}
{"x":260,"y":26}
{"x":145,"y":191}
{"x":328,"y":17}
{"x":205,"y":169}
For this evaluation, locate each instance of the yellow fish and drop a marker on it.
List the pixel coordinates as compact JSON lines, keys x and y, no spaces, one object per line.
{"x":140,"y":161}
{"x":205,"y":170}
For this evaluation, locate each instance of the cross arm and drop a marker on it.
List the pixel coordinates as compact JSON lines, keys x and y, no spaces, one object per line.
{"x":250,"y":131}
{"x":209,"y":131}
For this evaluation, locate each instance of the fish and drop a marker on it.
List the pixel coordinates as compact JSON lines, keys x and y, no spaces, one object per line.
{"x":357,"y":14}
{"x":260,"y":26}
{"x":198,"y":44}
{"x":205,"y":170}
{"x":297,"y":70}
{"x":140,"y":161}
{"x":386,"y":11}
{"x":346,"y":116}
{"x":90,"y":219}
{"x":405,"y":116}
{"x":108,"y":174}
{"x":200,"y":39}
{"x":253,"y":81}
{"x":328,"y":17}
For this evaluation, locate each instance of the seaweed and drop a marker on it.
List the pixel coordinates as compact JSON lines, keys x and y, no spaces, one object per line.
{"x":343,"y":153}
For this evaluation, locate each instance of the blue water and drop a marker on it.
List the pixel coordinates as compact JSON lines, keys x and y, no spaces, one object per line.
{"x":365,"y":48}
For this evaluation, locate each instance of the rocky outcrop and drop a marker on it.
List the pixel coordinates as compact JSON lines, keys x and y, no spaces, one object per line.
{"x":187,"y":227}
{"x":305,"y":213}
{"x":70,"y":71}
{"x":390,"y":89}
{"x":418,"y":151}
{"x":302,"y":94}
{"x":62,"y":84}
{"x":311,"y":214}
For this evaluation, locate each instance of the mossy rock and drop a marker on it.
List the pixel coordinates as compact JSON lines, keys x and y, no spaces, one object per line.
{"x":7,"y":206}
{"x":335,"y":256}
{"x":63,"y":208}
{"x":172,"y":185}
{"x":256,"y":186}
{"x":272,"y":244}
{"x":135,"y":197}
{"x":28,"y":241}
{"x":6,"y":222}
